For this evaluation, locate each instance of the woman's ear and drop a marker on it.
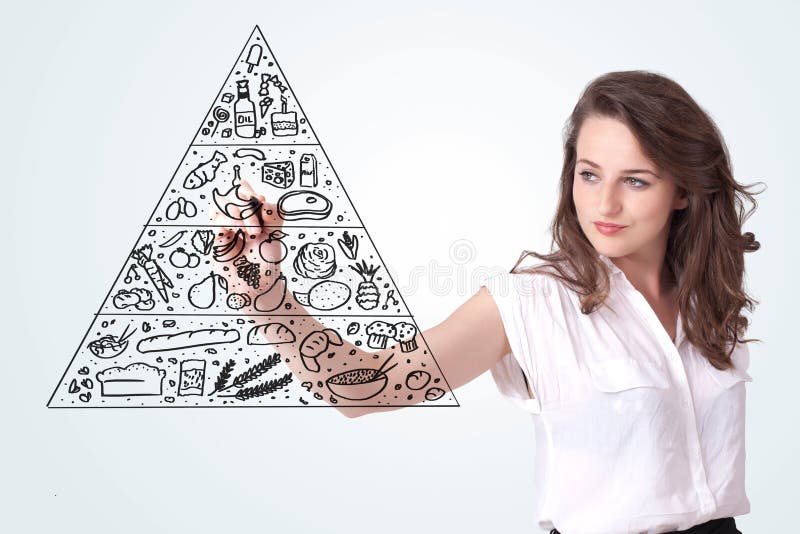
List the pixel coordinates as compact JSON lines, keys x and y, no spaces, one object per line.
{"x":681,"y":200}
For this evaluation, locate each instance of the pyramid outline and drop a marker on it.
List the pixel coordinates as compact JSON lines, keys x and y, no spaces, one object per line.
{"x":256,"y":33}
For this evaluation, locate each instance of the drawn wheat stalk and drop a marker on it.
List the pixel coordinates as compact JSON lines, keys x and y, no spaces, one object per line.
{"x":271,"y":386}
{"x":249,"y":375}
{"x":223,"y":377}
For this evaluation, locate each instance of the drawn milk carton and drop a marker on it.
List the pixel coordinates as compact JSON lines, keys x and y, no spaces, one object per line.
{"x":308,"y":170}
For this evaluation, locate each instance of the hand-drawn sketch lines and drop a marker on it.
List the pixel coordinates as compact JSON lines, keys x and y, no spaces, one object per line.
{"x":174,"y":332}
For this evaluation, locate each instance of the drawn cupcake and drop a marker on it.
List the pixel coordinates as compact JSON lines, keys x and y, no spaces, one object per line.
{"x":379,"y":332}
{"x":406,"y":336}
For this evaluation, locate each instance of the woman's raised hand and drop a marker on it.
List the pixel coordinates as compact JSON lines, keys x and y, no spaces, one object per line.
{"x":260,"y":230}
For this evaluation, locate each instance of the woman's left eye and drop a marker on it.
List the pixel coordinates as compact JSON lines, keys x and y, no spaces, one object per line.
{"x":637,"y":183}
{"x":641,"y":182}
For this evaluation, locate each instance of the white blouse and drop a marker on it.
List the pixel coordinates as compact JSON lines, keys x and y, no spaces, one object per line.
{"x":633,"y":434}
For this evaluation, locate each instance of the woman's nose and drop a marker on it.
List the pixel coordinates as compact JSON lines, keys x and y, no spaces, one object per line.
{"x":609,"y":199}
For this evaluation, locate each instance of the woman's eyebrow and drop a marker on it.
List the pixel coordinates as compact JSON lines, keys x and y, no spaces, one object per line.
{"x":593,"y":164}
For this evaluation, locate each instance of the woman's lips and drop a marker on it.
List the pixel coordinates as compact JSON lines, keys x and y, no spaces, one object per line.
{"x":608,"y":229}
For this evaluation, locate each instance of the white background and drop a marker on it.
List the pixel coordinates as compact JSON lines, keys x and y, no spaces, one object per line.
{"x":443,"y":121}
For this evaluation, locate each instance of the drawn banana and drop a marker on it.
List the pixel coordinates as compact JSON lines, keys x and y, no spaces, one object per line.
{"x":232,"y":249}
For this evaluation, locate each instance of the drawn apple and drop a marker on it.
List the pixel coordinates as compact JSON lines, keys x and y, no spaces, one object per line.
{"x":272,"y":249}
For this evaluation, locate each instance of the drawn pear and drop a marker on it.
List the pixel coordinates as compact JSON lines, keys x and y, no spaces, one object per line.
{"x":273,"y":297}
{"x":203,"y":293}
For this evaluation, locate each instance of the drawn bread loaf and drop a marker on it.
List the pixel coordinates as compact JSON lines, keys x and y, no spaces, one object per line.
{"x":136,"y":379}
{"x":188,"y":339}
{"x":314,"y":344}
{"x":261,"y":334}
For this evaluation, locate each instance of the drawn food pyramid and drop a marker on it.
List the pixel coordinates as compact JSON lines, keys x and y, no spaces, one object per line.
{"x":173,"y":332}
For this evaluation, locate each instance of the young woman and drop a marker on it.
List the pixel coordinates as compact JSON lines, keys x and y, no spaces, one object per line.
{"x":625,"y":344}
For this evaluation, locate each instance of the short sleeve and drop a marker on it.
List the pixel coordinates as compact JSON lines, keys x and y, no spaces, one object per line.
{"x":741,"y":362}
{"x":514,"y":294}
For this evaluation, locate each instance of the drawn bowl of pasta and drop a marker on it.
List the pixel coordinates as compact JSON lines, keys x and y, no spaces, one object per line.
{"x":359,"y":384}
{"x":110,"y":346}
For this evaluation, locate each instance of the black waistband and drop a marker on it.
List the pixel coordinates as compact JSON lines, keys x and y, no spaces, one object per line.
{"x":724,"y":525}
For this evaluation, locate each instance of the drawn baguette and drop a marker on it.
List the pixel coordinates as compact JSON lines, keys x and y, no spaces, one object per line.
{"x":185,"y":340}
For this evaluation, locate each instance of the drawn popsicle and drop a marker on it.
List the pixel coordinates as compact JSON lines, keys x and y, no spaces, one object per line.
{"x":253,"y":57}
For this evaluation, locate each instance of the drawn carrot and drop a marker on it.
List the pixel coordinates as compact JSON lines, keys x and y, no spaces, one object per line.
{"x":156,"y":274}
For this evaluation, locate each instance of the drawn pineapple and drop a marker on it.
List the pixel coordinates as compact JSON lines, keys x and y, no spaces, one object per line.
{"x":367,"y":294}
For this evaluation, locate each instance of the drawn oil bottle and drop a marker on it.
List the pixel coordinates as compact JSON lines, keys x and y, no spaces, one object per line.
{"x":244,"y":111}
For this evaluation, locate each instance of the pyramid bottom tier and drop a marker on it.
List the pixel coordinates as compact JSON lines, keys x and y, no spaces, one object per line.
{"x":267,"y":361}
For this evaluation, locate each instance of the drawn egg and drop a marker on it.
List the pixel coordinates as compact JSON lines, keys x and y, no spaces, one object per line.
{"x":190,"y":210}
{"x":173,"y":210}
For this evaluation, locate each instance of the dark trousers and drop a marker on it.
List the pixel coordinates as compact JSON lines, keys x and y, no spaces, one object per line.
{"x":725,"y":525}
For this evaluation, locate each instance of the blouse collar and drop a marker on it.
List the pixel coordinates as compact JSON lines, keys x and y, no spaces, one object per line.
{"x":612,"y":267}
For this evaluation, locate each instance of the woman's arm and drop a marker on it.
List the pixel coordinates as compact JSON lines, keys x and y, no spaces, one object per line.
{"x":465,"y":345}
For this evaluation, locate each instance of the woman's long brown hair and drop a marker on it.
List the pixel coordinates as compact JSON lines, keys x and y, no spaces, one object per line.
{"x":705,"y":247}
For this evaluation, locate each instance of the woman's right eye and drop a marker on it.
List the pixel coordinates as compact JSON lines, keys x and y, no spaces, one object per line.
{"x":586,"y":175}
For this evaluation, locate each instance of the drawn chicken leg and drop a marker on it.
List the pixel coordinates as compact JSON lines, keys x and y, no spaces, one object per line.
{"x":226,"y":202}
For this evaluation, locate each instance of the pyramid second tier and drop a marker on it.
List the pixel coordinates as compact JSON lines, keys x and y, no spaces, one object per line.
{"x":172,"y":270}
{"x":298,"y":179}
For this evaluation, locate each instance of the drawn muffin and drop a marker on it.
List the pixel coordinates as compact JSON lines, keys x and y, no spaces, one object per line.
{"x":406,"y":336}
{"x":379,"y":332}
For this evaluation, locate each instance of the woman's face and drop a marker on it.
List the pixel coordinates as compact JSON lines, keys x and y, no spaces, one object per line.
{"x":616,"y":183}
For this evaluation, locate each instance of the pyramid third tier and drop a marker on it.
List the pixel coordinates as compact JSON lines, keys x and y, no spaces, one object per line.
{"x":299,"y":180}
{"x":329,"y":271}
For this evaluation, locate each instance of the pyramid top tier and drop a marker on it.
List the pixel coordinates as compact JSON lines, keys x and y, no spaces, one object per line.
{"x":255,"y":106}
